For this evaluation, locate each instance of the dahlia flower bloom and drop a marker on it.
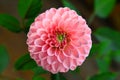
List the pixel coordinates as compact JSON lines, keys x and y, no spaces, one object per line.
{"x":59,"y":40}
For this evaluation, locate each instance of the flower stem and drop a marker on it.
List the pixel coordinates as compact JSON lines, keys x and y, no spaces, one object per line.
{"x":55,"y":76}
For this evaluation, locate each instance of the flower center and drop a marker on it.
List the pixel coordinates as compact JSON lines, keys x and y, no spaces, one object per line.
{"x":60,"y":37}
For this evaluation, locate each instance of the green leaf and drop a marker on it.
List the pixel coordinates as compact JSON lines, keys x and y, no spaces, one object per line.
{"x":102,"y":48}
{"x":93,"y":50}
{"x":38,"y":78}
{"x":25,"y":63}
{"x":29,"y":8}
{"x":38,"y":70}
{"x":101,"y":52}
{"x":104,"y":76}
{"x":4,"y":58}
{"x":103,"y":8}
{"x":116,"y":56}
{"x":10,"y":23}
{"x":103,"y":64}
{"x":67,"y":3}
{"x":107,"y":34}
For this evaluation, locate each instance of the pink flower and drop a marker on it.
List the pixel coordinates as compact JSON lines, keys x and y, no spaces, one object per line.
{"x":59,"y":40}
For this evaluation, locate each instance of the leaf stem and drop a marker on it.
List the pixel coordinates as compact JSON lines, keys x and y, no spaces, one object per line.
{"x":23,"y":24}
{"x":91,"y":18}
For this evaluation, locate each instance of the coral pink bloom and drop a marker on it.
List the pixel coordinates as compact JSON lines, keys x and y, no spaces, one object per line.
{"x":59,"y":40}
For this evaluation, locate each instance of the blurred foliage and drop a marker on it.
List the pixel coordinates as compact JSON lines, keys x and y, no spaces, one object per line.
{"x":25,"y":63}
{"x":4,"y":58}
{"x":38,"y":70}
{"x":104,"y":51}
{"x":29,"y":8}
{"x":108,"y":35}
{"x":104,"y":76}
{"x":103,"y":8}
{"x":67,"y":3}
{"x":107,"y":50}
{"x":58,"y":76}
{"x":27,"y":25}
{"x":9,"y":22}
{"x":116,"y":56}
{"x":38,"y":78}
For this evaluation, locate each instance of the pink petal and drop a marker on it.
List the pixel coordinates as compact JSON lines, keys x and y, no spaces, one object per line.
{"x":43,"y":55}
{"x":55,"y":66}
{"x":56,"y":18}
{"x":62,"y":68}
{"x":46,"y":23}
{"x":71,"y":51}
{"x":61,"y":57}
{"x":79,"y":62}
{"x":45,"y":47}
{"x":40,"y":17}
{"x":51,"y":51}
{"x":75,"y":53}
{"x":53,"y":11}
{"x":73,"y":64}
{"x":60,"y":11}
{"x":41,"y":32}
{"x":34,"y":36}
{"x":82,"y":51}
{"x":66,"y":63}
{"x":51,"y":59}
{"x":35,"y":56}
{"x":43,"y":37}
{"x":49,"y":68}
{"x":44,"y":62}
{"x":38,"y":42}
{"x":39,"y":24}
{"x":38,"y":62}
{"x":67,"y":51}
{"x":65,"y":16}
{"x":36,"y":49}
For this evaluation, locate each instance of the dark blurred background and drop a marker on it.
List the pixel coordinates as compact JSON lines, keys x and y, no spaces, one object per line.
{"x":16,"y":43}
